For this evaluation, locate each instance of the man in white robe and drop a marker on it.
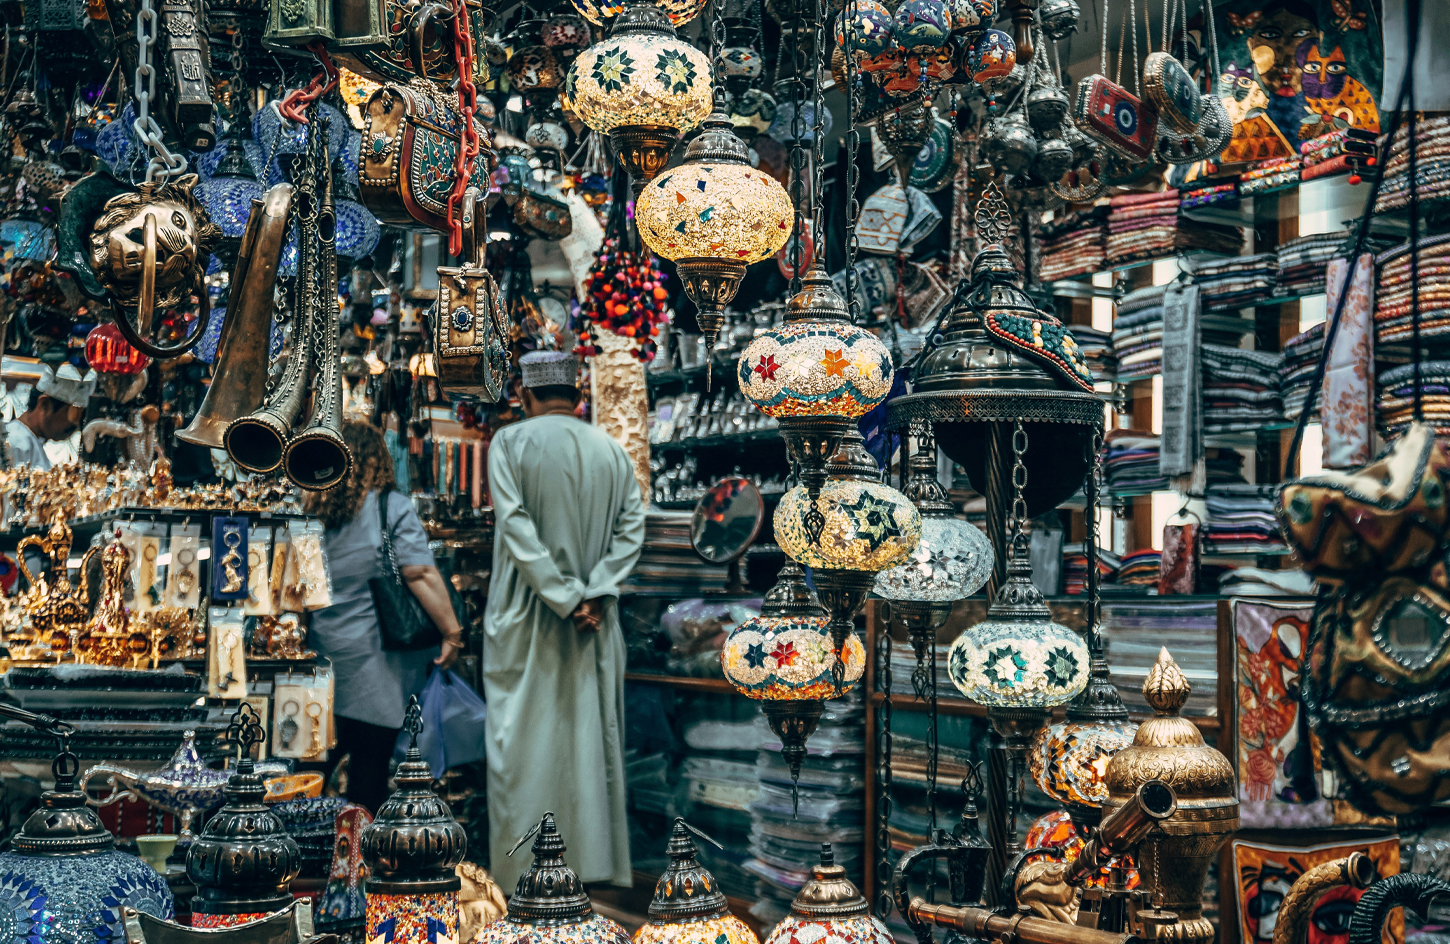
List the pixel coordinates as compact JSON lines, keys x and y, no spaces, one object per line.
{"x":569,"y":524}
{"x":56,"y":407}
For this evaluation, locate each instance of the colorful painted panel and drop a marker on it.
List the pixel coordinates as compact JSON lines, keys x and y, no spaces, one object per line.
{"x":1266,"y":872}
{"x":413,"y":919}
{"x":200,"y":920}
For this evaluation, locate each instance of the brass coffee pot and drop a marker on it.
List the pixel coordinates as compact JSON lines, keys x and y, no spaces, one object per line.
{"x":57,"y":613}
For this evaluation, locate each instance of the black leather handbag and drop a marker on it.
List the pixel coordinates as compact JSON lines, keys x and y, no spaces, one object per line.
{"x":405,"y":625}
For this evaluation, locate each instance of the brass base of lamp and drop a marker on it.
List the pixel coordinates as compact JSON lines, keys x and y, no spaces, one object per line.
{"x":922,"y":620}
{"x":842,"y":593}
{"x":793,"y":722}
{"x":1018,"y":726}
{"x":809,"y":442}
{"x":711,"y":283}
{"x":644,"y":150}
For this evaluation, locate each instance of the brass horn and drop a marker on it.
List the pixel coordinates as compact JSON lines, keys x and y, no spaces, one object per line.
{"x":256,"y":442}
{"x":317,"y":458}
{"x":239,"y":379}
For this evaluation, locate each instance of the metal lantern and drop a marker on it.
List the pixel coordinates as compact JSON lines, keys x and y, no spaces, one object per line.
{"x":713,"y":215}
{"x":642,"y":86}
{"x":244,"y":860}
{"x":785,"y":659}
{"x":549,"y":904}
{"x":62,"y":879}
{"x":828,"y":908}
{"x":1175,"y":859}
{"x":411,"y":850}
{"x":1059,"y":18}
{"x":689,"y":907}
{"x":228,"y":193}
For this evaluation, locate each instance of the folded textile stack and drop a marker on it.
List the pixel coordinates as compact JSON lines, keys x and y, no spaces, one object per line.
{"x":1302,"y":262}
{"x":1346,"y":150}
{"x":1142,"y":226}
{"x":1238,"y":282}
{"x":1096,"y":347}
{"x":1301,"y":357}
{"x":1223,"y":466}
{"x":1393,"y":297}
{"x":1140,"y":568}
{"x":1241,"y":520}
{"x":1267,"y":176}
{"x":1240,"y":388}
{"x":1395,"y":407}
{"x":1075,"y":568}
{"x":1221,"y":195}
{"x":1074,"y":244}
{"x":1131,"y":463}
{"x":1138,"y":334}
{"x":1432,"y":165}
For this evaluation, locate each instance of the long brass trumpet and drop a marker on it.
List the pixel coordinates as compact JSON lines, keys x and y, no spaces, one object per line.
{"x":239,"y":381}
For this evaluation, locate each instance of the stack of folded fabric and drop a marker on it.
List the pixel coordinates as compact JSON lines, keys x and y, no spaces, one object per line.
{"x":1301,"y":357}
{"x":1267,"y":176}
{"x":1395,"y":407}
{"x":1075,"y":568}
{"x":1238,"y":282}
{"x":1393,"y":298}
{"x":1302,"y":263}
{"x":1138,"y":334}
{"x":1140,"y":568}
{"x":1131,"y":463}
{"x":1074,"y":244}
{"x":1096,"y":347}
{"x":1141,"y":226}
{"x":1224,"y":466}
{"x":1217,"y":195}
{"x":1240,"y":388}
{"x":1343,"y":151}
{"x":1432,"y":165}
{"x":1241,"y":520}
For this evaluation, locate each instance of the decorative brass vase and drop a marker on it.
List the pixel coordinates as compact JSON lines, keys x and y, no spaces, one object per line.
{"x":1174,"y":860}
{"x":644,"y":150}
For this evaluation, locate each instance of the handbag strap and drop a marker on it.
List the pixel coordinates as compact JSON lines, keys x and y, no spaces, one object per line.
{"x":388,"y":556}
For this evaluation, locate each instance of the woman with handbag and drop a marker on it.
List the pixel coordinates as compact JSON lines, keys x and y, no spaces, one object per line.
{"x":391,"y":617}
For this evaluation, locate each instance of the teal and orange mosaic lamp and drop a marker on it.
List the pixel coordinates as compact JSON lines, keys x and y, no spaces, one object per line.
{"x":689,"y":907}
{"x":243,"y":863}
{"x":549,"y":904}
{"x":411,"y":850}
{"x":829,"y":908}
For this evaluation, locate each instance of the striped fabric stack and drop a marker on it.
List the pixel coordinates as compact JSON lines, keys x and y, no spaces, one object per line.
{"x":1302,"y":262}
{"x":1074,"y":244}
{"x":1301,"y":357}
{"x":1138,"y":334}
{"x":1432,"y":165}
{"x":1393,"y":293}
{"x":1268,"y":176}
{"x":1395,"y":407}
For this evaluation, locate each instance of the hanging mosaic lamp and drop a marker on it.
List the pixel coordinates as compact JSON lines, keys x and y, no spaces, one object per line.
{"x":828,"y":908}
{"x":228,"y":193}
{"x":411,"y":850}
{"x":244,"y":861}
{"x":642,"y":86}
{"x":357,"y":229}
{"x":549,"y":904}
{"x":712,"y":216}
{"x":689,"y":907}
{"x":817,"y":373}
{"x":784,"y":658}
{"x":951,"y":562}
{"x":62,"y":879}
{"x":24,"y":236}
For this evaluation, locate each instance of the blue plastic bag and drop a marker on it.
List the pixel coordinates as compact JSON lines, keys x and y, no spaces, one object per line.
{"x":453,"y":714}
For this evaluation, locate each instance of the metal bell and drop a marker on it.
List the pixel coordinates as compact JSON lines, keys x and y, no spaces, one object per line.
{"x":1058,"y":17}
{"x":1046,"y":106}
{"x":1054,"y":158}
{"x":1019,"y":146}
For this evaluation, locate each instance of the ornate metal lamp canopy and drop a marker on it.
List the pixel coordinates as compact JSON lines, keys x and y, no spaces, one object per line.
{"x":828,"y":907}
{"x":689,"y":907}
{"x":642,"y":87}
{"x":62,"y":877}
{"x":549,"y":904}
{"x":411,"y":850}
{"x":244,"y":861}
{"x":951,"y":562}
{"x":714,"y":215}
{"x":785,"y":659}
{"x":1171,"y":748}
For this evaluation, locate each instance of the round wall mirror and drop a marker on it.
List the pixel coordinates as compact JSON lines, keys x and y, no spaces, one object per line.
{"x":727,"y":518}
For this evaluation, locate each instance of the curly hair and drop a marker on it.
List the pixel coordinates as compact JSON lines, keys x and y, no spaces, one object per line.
{"x":372,"y":470}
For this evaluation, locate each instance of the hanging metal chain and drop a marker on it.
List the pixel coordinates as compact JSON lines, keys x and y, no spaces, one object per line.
{"x":853,"y":175}
{"x":1094,"y":545}
{"x":1019,"y":480}
{"x":164,"y":163}
{"x":933,"y":745}
{"x":797,"y":151}
{"x":717,"y":48}
{"x":884,"y":898}
{"x":818,"y":137}
{"x":468,"y":146}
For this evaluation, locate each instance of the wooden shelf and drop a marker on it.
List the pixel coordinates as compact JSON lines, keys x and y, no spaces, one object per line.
{"x":718,"y":686}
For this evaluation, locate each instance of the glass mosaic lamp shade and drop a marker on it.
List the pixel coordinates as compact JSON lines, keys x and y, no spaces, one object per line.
{"x":868,"y":526}
{"x":642,"y":86}
{"x":1018,"y":658}
{"x":829,"y":909}
{"x":62,"y":879}
{"x":689,"y":907}
{"x":228,"y":194}
{"x":714,"y":215}
{"x":24,"y":236}
{"x":357,"y":229}
{"x":549,"y":904}
{"x":411,"y":850}
{"x":244,"y":860}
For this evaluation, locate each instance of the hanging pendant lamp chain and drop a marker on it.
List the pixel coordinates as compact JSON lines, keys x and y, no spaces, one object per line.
{"x":1094,"y":581}
{"x":797,"y":150}
{"x":884,"y":898}
{"x":818,"y":135}
{"x":164,"y":163}
{"x":853,"y":175}
{"x":1020,"y":523}
{"x":468,"y":144}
